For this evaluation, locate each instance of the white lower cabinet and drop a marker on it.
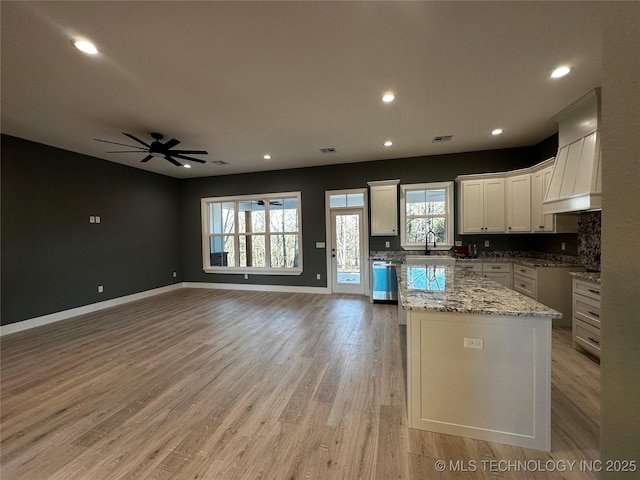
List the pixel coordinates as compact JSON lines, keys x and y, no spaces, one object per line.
{"x":586,"y":316}
{"x":499,"y":272}
{"x":550,"y":286}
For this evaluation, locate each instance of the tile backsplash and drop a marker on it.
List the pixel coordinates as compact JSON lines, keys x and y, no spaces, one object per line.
{"x":589,"y":240}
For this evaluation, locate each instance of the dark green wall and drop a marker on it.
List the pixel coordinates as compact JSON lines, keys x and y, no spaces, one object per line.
{"x":53,"y":259}
{"x":313,"y":182}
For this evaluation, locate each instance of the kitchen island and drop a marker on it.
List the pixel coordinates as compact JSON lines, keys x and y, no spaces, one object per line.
{"x":478,"y":357}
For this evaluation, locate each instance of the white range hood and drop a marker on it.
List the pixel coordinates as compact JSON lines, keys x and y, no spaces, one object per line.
{"x":576,"y":183}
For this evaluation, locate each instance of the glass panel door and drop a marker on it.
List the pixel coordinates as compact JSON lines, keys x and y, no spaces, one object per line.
{"x":347,"y":252}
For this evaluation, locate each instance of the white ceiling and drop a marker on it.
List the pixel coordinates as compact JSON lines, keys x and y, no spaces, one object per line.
{"x":241,"y":79}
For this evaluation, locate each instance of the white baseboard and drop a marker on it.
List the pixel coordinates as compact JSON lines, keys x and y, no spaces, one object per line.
{"x":74,"y":312}
{"x":257,"y":288}
{"x":94,"y":307}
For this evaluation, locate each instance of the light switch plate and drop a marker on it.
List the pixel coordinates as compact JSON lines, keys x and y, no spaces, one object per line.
{"x":477,"y":343}
{"x":320,"y":245}
{"x":97,"y":219}
{"x":92,"y":219}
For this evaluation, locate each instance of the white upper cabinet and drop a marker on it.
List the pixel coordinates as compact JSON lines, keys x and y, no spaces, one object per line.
{"x":384,"y":207}
{"x":518,"y":203}
{"x":482,"y":209}
{"x":547,"y":222}
{"x":540,"y":221}
{"x":512,"y":202}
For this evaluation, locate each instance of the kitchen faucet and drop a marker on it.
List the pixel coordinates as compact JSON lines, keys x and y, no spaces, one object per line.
{"x":426,"y":249}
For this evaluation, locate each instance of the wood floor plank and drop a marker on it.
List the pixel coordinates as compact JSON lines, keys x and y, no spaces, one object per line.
{"x":208,"y":384}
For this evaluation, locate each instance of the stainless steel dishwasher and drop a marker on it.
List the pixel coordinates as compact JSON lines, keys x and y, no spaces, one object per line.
{"x":384,"y":281}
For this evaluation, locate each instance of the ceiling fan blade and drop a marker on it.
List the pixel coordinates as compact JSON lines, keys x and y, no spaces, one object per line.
{"x":197,"y":152}
{"x":136,"y":139}
{"x":125,"y":151}
{"x":147,"y":158}
{"x":171,"y":143}
{"x":176,"y":163}
{"x":116,"y":143}
{"x":184,"y":157}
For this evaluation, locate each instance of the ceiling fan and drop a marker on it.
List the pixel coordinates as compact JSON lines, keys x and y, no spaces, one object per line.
{"x":158,"y":149}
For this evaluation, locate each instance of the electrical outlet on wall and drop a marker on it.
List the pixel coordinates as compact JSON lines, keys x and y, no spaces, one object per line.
{"x":174,"y":274}
{"x":317,"y":276}
{"x":387,"y":244}
{"x":563,"y":246}
{"x":486,"y":243}
{"x":100,"y":289}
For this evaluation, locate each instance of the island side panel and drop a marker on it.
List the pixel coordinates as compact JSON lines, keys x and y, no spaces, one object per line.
{"x":500,"y":393}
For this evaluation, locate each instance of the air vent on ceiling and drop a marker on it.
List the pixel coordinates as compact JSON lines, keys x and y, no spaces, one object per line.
{"x":442,"y":138}
{"x":328,"y":150}
{"x":219,"y":162}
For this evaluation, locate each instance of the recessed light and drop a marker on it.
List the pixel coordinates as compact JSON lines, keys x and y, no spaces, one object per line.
{"x":186,"y":165}
{"x":497,"y":131}
{"x":388,"y":143}
{"x":560,"y":72}
{"x":388,"y":97}
{"x":267,"y":157}
{"x":85,"y":46}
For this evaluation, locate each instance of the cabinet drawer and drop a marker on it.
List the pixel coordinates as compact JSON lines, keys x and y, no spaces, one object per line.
{"x":587,"y":337}
{"x":587,"y":310}
{"x":587,"y":289}
{"x":503,"y":278}
{"x":524,"y":285}
{"x":525,"y":271}
{"x":491,"y":267}
{"x":471,"y":266}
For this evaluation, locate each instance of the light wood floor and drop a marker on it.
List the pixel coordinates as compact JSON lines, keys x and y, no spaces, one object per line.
{"x":203,"y":384}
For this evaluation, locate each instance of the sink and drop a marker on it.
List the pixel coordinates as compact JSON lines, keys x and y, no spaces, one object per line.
{"x":430,"y":259}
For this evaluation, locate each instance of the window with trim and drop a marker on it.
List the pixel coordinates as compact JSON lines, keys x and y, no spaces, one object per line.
{"x":426,"y":209}
{"x":258,"y":234}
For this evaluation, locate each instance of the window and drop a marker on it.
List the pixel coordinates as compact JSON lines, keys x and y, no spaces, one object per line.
{"x":346,"y":200}
{"x":259,"y":234}
{"x":426,"y":208}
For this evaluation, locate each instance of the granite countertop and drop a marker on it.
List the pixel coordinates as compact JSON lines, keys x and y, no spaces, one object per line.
{"x":453,"y":289}
{"x":589,"y":276}
{"x":526,"y":261}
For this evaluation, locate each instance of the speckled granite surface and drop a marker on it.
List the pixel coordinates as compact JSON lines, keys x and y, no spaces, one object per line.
{"x":589,"y":276}
{"x":589,"y":228}
{"x":532,"y":259}
{"x":452,"y":289}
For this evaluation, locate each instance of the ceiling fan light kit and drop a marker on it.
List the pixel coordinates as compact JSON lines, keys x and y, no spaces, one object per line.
{"x":159,"y":149}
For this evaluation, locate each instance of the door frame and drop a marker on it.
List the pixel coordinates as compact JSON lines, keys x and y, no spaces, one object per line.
{"x":364,"y":275}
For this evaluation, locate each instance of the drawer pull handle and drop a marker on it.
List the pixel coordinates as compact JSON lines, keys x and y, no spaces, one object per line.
{"x":496,"y":268}
{"x":523,"y":285}
{"x":597,"y":292}
{"x":593,"y":340}
{"x":593,"y":313}
{"x":523,"y":271}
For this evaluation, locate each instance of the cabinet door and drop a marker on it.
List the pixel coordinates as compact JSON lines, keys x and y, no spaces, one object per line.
{"x":494,"y":219}
{"x":540,"y":182}
{"x":537,"y":197}
{"x":548,"y":219}
{"x":518,"y":199}
{"x":384,"y":210}
{"x":472,"y":206}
